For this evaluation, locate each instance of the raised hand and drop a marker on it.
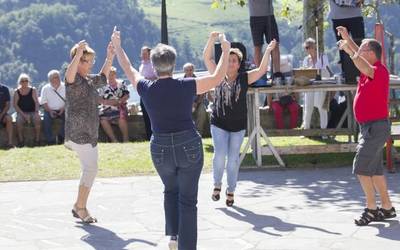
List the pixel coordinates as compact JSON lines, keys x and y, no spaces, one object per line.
{"x":271,"y":46}
{"x":81,"y":48}
{"x":116,"y":38}
{"x":214,"y":35}
{"x":225,"y":44}
{"x":344,"y":45}
{"x":342,"y":31}
{"x":110,"y":50}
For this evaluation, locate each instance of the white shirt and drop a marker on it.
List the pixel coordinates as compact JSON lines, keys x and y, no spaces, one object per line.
{"x":322,"y":64}
{"x":49,"y":96}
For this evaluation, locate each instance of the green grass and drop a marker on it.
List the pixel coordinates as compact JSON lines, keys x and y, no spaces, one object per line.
{"x":55,"y":162}
{"x":195,"y":20}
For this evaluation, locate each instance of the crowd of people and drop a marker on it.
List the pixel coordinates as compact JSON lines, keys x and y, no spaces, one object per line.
{"x":86,"y":100}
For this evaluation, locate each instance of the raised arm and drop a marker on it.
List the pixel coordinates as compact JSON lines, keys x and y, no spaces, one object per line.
{"x":72,"y":68}
{"x":109,"y":60}
{"x":203,"y":84}
{"x":360,"y":62}
{"x":257,"y":73}
{"x":342,"y":31}
{"x":208,"y":52}
{"x":131,"y":73}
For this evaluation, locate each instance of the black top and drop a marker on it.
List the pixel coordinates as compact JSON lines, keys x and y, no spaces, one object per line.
{"x":26,"y":102}
{"x":4,"y":96}
{"x":229,"y":111}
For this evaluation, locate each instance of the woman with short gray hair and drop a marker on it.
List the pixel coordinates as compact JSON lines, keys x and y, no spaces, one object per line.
{"x":176,"y":146}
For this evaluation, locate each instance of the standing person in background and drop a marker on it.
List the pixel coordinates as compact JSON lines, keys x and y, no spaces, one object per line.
{"x":263,"y":24}
{"x":146,"y":69}
{"x":348,"y":15}
{"x":26,"y":104}
{"x":229,"y":115}
{"x":52,"y":98}
{"x":5,"y":118}
{"x":176,"y":146}
{"x":371,"y":112}
{"x":82,"y":117}
{"x":315,"y":99}
{"x":114,"y":114}
{"x":200,"y":115}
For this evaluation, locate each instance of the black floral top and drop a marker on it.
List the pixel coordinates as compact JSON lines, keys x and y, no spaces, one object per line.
{"x":81,"y":113}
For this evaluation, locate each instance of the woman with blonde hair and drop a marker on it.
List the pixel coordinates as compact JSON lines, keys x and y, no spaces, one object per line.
{"x":26,"y":104}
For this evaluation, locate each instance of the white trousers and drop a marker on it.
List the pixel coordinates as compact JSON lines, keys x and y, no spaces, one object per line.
{"x":311,"y":100}
{"x":88,"y":156}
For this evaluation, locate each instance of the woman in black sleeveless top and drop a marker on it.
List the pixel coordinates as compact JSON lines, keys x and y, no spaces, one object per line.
{"x":27,"y":106}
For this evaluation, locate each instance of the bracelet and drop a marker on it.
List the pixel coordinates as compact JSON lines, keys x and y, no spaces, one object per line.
{"x":355,"y":56}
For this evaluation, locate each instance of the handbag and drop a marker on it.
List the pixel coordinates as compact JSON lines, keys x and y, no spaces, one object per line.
{"x":285,"y":100}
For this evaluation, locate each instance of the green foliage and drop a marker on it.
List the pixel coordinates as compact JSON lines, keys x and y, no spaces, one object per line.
{"x":36,"y":36}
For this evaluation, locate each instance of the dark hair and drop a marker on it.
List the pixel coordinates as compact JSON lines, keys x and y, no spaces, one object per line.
{"x":375,"y":46}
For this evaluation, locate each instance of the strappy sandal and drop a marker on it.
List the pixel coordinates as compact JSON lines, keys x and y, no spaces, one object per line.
{"x":88,"y":219}
{"x":388,"y":213}
{"x":368,"y":216}
{"x":229,"y":202}
{"x":216,"y":196}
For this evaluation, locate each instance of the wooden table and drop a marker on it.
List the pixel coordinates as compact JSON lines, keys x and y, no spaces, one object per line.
{"x":256,"y":132}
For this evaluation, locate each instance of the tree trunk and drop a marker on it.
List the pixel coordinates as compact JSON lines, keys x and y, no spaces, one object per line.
{"x":314,"y":13}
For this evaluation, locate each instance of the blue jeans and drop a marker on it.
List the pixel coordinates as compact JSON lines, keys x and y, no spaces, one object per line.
{"x":178,"y":159}
{"x":48,"y":127}
{"x":226,"y":145}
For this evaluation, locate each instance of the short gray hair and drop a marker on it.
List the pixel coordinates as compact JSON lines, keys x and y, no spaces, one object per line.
{"x":52,"y":73}
{"x":309,"y":41}
{"x":163,"y":58}
{"x":375,"y":46}
{"x":188,"y":65}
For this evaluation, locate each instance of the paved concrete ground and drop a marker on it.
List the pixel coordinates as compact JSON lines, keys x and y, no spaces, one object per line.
{"x":292,"y":209}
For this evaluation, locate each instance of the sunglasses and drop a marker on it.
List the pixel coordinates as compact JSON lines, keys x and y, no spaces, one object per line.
{"x":22,"y":81}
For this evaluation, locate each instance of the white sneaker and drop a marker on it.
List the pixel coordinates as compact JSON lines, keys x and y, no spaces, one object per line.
{"x":173,"y":245}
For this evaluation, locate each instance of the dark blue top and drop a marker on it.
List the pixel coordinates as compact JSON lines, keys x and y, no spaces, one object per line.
{"x":169,"y":103}
{"x":4,"y":96}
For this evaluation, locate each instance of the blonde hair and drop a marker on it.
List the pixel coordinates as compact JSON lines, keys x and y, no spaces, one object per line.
{"x":308,"y":42}
{"x":23,"y":76}
{"x":87,"y":51}
{"x":237,"y":52}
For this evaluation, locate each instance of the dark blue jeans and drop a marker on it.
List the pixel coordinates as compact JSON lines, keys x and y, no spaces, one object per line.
{"x":48,"y":127}
{"x":178,"y":158}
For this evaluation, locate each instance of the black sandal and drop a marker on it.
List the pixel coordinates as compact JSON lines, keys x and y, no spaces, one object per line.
{"x":229,"y":203}
{"x":388,"y":213}
{"x":368,"y":216}
{"x":216,"y":197}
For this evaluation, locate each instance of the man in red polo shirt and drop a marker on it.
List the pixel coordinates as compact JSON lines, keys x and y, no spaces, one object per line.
{"x":371,"y":112}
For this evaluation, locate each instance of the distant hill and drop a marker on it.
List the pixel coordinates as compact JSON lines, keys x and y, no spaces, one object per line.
{"x":36,"y":35}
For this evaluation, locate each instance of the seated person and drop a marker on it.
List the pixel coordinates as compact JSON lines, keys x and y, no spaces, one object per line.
{"x":113,"y":108}
{"x":5,"y":118}
{"x":315,"y":99}
{"x":26,"y":104}
{"x":53,"y":100}
{"x":281,"y":101}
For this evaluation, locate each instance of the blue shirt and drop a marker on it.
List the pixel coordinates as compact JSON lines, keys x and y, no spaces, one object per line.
{"x":4,"y":96}
{"x":169,"y":103}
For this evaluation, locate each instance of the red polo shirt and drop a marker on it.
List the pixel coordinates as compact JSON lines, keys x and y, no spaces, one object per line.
{"x":371,"y":100}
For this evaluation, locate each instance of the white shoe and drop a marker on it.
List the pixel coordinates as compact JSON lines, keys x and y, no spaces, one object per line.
{"x":173,"y":245}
